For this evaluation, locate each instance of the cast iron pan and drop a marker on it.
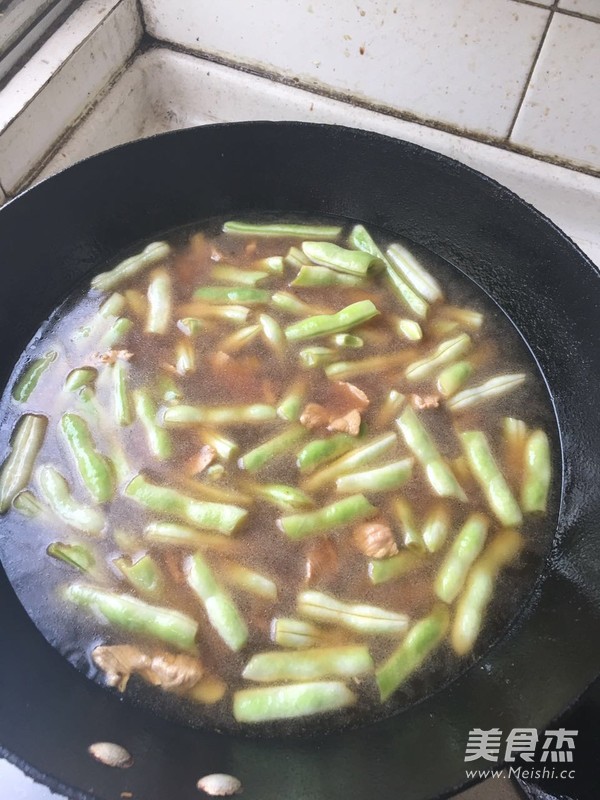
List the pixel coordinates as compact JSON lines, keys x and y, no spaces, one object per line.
{"x":77,"y":222}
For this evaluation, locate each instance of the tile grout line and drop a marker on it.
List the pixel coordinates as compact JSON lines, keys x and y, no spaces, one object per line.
{"x":567,"y":12}
{"x":536,"y":57}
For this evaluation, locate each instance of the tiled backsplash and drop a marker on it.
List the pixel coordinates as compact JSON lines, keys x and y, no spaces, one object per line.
{"x":523,"y":74}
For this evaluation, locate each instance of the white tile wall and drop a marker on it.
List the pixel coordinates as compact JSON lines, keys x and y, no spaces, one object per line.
{"x":461,"y":62}
{"x":560,"y":115}
{"x":589,"y":7}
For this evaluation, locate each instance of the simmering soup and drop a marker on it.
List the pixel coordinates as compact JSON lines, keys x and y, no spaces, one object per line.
{"x":275,"y":474}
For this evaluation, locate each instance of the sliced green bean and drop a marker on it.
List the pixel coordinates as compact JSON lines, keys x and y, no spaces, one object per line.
{"x":152,"y":254}
{"x":237,"y":315}
{"x":247,"y":579}
{"x":160,"y":300}
{"x":221,"y":517}
{"x":158,"y":439}
{"x":97,"y":471}
{"x":405,"y":293}
{"x":121,"y":401}
{"x":357,"y":617}
{"x":424,"y":636}
{"x":287,"y":498}
{"x":380,"y":479}
{"x":453,"y":377}
{"x":295,"y":258}
{"x":464,"y":316}
{"x":312,"y":357}
{"x":80,"y":377}
{"x":26,"y":442}
{"x":168,"y":391}
{"x":322,"y":451}
{"x":220,"y":609}
{"x":240,"y":338}
{"x":327,"y":254}
{"x":292,"y":403}
{"x":347,"y":340}
{"x":438,"y":473}
{"x":436,"y":528}
{"x":444,"y":353}
{"x":78,"y":556}
{"x":185,"y":357}
{"x":278,"y":445}
{"x":359,"y":457}
{"x":291,"y":304}
{"x":344,"y":661}
{"x":514,"y":436}
{"x":234,"y":295}
{"x":494,"y":387}
{"x":335,"y":515}
{"x":186,"y":416}
{"x":273,"y":334}
{"x":267,"y":703}
{"x":144,"y":575}
{"x":273,"y":264}
{"x":537,"y":473}
{"x":136,"y":616}
{"x":479,"y":589}
{"x":28,"y":505}
{"x":411,"y":535}
{"x":282,"y":229}
{"x":312,"y":276}
{"x":410,"y":329}
{"x":224,"y":446}
{"x":463,"y":552}
{"x":113,"y":306}
{"x":24,"y":387}
{"x":324,"y":324}
{"x":290,"y":632}
{"x":191,"y":326}
{"x":361,"y":239}
{"x":382,"y":570}
{"x":57,"y":494}
{"x":412,"y":271}
{"x":172,"y":535}
{"x":391,"y":407}
{"x":487,"y":473}
{"x":117,"y":331}
{"x":343,"y":370}
{"x":243,"y":277}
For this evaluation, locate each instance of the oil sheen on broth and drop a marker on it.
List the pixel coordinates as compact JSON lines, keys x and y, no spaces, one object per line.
{"x":383,"y":535}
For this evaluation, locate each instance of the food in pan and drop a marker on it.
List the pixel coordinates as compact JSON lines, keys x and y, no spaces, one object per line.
{"x":275,"y":469}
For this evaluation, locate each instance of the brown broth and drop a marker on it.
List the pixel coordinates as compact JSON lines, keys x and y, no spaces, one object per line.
{"x":256,"y":375}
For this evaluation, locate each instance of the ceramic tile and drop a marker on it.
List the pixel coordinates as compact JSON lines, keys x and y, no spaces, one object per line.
{"x":559,"y":116}
{"x":589,"y":7}
{"x":40,"y":104}
{"x":460,"y":63}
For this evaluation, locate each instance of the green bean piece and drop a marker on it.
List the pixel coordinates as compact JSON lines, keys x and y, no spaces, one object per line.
{"x":494,"y":387}
{"x":423,"y":637}
{"x":26,"y":442}
{"x":158,"y":439}
{"x":487,"y":473}
{"x":236,"y":315}
{"x":514,"y":437}
{"x":172,"y":535}
{"x":310,"y":276}
{"x":324,"y":324}
{"x":273,"y":264}
{"x":453,"y":377}
{"x":437,"y":471}
{"x":160,"y":300}
{"x":414,"y":273}
{"x":219,"y":494}
{"x":291,"y":304}
{"x":359,"y":457}
{"x":243,"y":277}
{"x":382,"y":570}
{"x":290,"y":632}
{"x":278,"y":445}
{"x":186,"y":416}
{"x":463,"y":552}
{"x":168,"y":390}
{"x":97,"y":471}
{"x":411,"y":535}
{"x":225,"y":447}
{"x":436,"y":528}
{"x":267,"y":703}
{"x":361,"y":239}
{"x":190,"y":326}
{"x":327,"y":254}
{"x":221,"y":517}
{"x":144,"y":575}
{"x":28,"y":505}
{"x":121,"y":401}
{"x":152,"y":254}
{"x":312,"y":357}
{"x":322,"y":451}
{"x":295,"y":258}
{"x":239,"y":339}
{"x":347,"y":340}
{"x":185,"y":357}
{"x":292,"y":403}
{"x":136,"y":616}
{"x":410,"y":329}
{"x":537,"y":473}
{"x":391,"y":407}
{"x":444,"y":353}
{"x":57,"y":494}
{"x":286,"y":230}
{"x":113,"y":306}
{"x":464,"y":316}
{"x":273,"y":334}
{"x":24,"y":387}
{"x":215,"y":472}
{"x":220,"y":609}
{"x":247,"y":579}
{"x":117,"y":331}
{"x":380,"y":479}
{"x":358,"y":617}
{"x":80,"y":377}
{"x":335,"y":515}
{"x":479,"y":589}
{"x":343,"y":370}
{"x":74,"y":555}
{"x":234,"y":295}
{"x":287,"y":498}
{"x":344,"y":661}
{"x":405,"y":294}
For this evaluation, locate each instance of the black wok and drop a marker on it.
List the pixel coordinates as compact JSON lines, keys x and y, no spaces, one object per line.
{"x":73,"y":224}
